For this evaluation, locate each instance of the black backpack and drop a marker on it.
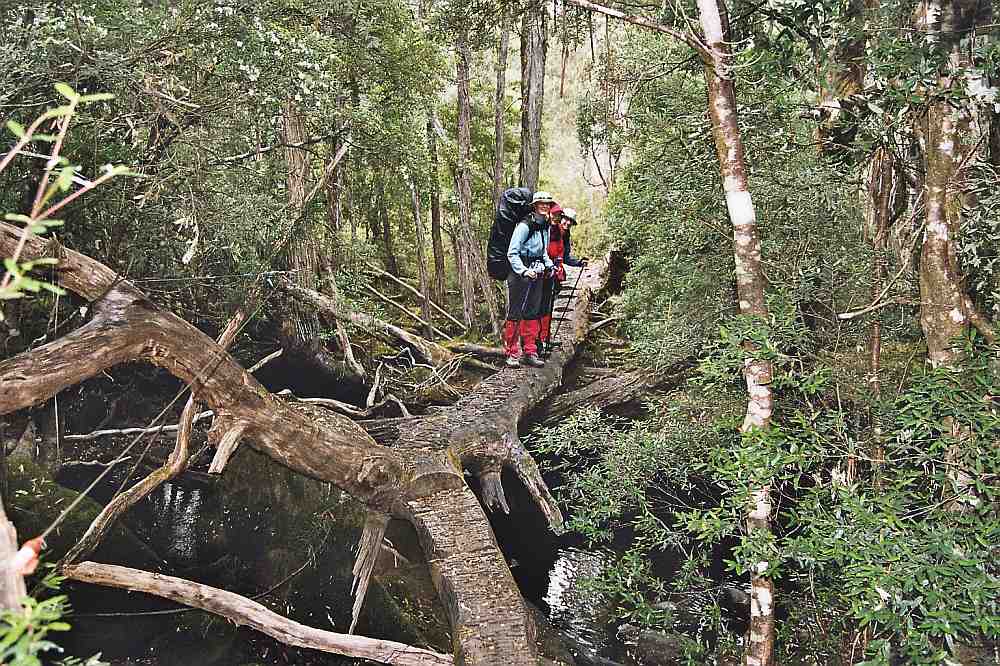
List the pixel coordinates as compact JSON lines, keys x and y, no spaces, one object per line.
{"x":515,"y":204}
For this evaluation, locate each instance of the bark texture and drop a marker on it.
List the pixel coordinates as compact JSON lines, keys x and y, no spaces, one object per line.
{"x":534,"y":46}
{"x":418,"y":229}
{"x":469,"y":250}
{"x":944,"y":316}
{"x":462,"y":183}
{"x":437,"y":244}
{"x":500,"y":107}
{"x":300,"y":326}
{"x":750,"y":284}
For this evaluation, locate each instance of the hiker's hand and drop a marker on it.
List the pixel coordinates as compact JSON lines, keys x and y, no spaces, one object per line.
{"x":529,"y":274}
{"x":584,"y":262}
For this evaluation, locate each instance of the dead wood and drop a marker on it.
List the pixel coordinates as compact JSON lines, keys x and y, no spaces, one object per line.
{"x":421,"y":482}
{"x":415,"y":292}
{"x":158,"y":430}
{"x":604,"y":393}
{"x":369,"y":548}
{"x":350,"y":410}
{"x":163,"y":429}
{"x":243,"y":611}
{"x":479,"y":351}
{"x":385,"y":299}
{"x":428,"y":351}
{"x":482,"y":425}
{"x":175,"y":464}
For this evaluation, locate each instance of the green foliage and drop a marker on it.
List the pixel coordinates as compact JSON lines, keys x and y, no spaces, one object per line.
{"x":25,"y":633}
{"x":903,"y":549}
{"x":17,"y":279}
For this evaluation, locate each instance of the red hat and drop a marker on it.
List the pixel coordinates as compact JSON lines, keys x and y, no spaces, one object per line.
{"x":556,"y":208}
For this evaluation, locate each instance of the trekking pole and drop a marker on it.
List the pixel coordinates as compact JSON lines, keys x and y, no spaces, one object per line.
{"x":552,"y":307}
{"x":571,"y":292}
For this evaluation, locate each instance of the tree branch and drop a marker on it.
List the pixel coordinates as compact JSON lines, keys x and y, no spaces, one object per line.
{"x":243,"y":611}
{"x":644,"y":22}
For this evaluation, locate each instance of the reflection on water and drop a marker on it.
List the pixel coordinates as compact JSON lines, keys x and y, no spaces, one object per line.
{"x":175,"y":516}
{"x":576,"y":608}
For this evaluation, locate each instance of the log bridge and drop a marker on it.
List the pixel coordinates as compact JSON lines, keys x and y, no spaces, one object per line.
{"x":415,"y":473}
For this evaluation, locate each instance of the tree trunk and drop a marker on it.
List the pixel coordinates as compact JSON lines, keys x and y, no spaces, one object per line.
{"x":300,"y":327}
{"x":534,"y":44}
{"x":944,"y":315}
{"x":427,"y":351}
{"x":841,"y":72}
{"x":334,"y":259}
{"x":385,"y":228}
{"x":436,"y":243}
{"x":470,"y":248}
{"x":750,"y":283}
{"x":418,"y":229}
{"x":12,"y":587}
{"x":500,"y":108}
{"x":243,"y":611}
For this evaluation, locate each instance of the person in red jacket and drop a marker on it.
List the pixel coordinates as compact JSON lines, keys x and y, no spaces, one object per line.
{"x":559,"y":252}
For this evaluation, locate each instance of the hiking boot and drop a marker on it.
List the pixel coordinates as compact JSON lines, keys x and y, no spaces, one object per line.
{"x":513,"y":362}
{"x":533,"y":361}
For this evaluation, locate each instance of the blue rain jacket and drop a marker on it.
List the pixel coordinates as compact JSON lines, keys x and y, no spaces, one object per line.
{"x":528,"y":244}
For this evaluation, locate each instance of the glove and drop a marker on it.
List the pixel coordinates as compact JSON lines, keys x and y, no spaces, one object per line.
{"x":583,"y":262}
{"x":529,"y":274}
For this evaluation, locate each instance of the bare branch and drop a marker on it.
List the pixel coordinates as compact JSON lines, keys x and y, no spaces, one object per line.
{"x":243,"y":611}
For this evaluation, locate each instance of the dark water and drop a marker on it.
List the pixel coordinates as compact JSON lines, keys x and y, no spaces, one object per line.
{"x":258,"y":529}
{"x":239,"y":534}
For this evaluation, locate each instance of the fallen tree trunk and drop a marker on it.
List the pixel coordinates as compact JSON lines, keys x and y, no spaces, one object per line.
{"x":482,"y":425}
{"x":416,"y":292}
{"x":421,"y":481}
{"x":479,"y":351}
{"x":601,"y":394}
{"x":243,"y":611}
{"x":420,"y":320}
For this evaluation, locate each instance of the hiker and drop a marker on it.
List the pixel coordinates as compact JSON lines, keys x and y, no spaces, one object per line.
{"x":529,"y":263}
{"x":558,"y":250}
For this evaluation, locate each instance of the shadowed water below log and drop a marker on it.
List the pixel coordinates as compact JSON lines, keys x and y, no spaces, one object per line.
{"x":258,"y":529}
{"x":239,"y":534}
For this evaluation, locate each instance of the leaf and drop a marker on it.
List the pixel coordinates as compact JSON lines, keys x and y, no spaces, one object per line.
{"x":96,"y":97}
{"x":57,"y":112}
{"x":17,"y":217}
{"x":67,"y":92}
{"x":65,"y":179}
{"x":16,"y":128}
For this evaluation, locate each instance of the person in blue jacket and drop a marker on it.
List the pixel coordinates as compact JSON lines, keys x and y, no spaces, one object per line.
{"x":530,"y":264}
